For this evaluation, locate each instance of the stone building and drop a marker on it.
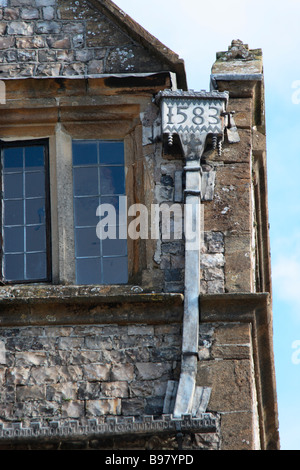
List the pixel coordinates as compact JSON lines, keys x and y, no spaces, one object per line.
{"x":130,"y":342}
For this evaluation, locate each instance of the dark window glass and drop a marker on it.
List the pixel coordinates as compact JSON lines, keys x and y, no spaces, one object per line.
{"x":25,"y":212}
{"x":98,"y":178}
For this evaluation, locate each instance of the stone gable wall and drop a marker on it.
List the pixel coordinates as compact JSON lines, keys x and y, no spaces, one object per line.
{"x":52,"y":38}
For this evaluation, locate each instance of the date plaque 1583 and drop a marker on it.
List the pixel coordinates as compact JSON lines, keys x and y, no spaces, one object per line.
{"x":192,"y":112}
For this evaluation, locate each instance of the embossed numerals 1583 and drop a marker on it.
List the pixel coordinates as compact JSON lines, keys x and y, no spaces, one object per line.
{"x":196,"y":113}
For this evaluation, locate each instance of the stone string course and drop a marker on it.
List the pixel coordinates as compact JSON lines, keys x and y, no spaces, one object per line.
{"x":47,"y":38}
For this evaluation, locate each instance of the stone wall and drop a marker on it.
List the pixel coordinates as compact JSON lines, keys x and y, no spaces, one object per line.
{"x":65,"y":360}
{"x":44,"y":38}
{"x":71,"y":382}
{"x":77,"y":372}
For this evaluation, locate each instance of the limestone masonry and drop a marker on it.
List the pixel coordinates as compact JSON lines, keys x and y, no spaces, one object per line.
{"x":111,"y":366}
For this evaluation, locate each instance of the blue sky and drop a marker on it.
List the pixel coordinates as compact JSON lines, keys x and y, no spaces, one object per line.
{"x":196,"y":30}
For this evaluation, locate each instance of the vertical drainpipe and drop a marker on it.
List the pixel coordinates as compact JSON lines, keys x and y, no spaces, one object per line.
{"x":190,"y":341}
{"x":193,"y":116}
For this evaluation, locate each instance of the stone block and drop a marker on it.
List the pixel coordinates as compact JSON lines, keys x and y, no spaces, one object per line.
{"x":61,"y":392}
{"x":239,"y":152}
{"x":239,"y":268}
{"x":104,"y":406}
{"x":243,"y":109}
{"x":230,"y":209}
{"x":96,"y":67}
{"x":237,"y":431}
{"x":103,"y":33}
{"x":89,"y":391}
{"x":29,"y":358}
{"x":133,"y":407}
{"x":47,"y":27}
{"x":2,"y":352}
{"x":231,"y":382}
{"x":96,"y":372}
{"x":18,"y":376}
{"x":49,"y":70}
{"x":10,"y":14}
{"x":35,"y":42}
{"x":151,"y":371}
{"x":20,"y":28}
{"x":29,"y":393}
{"x":215,"y":287}
{"x":69,"y":343}
{"x":30,"y":14}
{"x":6,"y":42}
{"x":140,"y":389}
{"x":45,"y":3}
{"x":59,"y":42}
{"x":115,"y":389}
{"x":48,"y":13}
{"x":42,"y":375}
{"x":238,"y":333}
{"x":140,"y":330}
{"x":73,"y":409}
{"x":122,"y":372}
{"x":19,"y":3}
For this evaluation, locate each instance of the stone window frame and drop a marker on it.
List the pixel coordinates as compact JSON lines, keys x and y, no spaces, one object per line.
{"x":62,"y":109}
{"x":62,"y":250}
{"x":31,"y":143}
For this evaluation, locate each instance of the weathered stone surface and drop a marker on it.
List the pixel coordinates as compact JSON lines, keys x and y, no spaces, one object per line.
{"x":66,"y":24}
{"x":73,"y":354}
{"x":245,"y":439}
{"x":239,"y":263}
{"x":20,"y":28}
{"x":237,"y":374}
{"x":229,"y":210}
{"x":54,"y":365}
{"x":104,"y":406}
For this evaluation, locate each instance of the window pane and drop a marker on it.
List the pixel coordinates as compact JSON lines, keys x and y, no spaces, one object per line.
{"x":98,"y":178}
{"x":14,"y":239}
{"x":86,"y":181}
{"x":88,"y":271}
{"x":85,"y":211}
{"x":24,"y":231}
{"x":35,"y":211}
{"x":111,"y":153}
{"x":13,"y":159}
{"x":113,"y":201}
{"x":112,"y":180}
{"x":114,"y":247}
{"x":85,"y":153}
{"x":86,"y":242}
{"x":13,"y":185}
{"x":13,"y":212}
{"x":35,"y":184}
{"x":34,"y":158}
{"x":14,"y":267}
{"x":36,"y":266}
{"x":115,"y":270}
{"x":36,"y":238}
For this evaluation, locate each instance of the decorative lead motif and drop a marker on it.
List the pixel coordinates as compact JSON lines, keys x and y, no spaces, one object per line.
{"x":193,"y":116}
{"x":205,"y":423}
